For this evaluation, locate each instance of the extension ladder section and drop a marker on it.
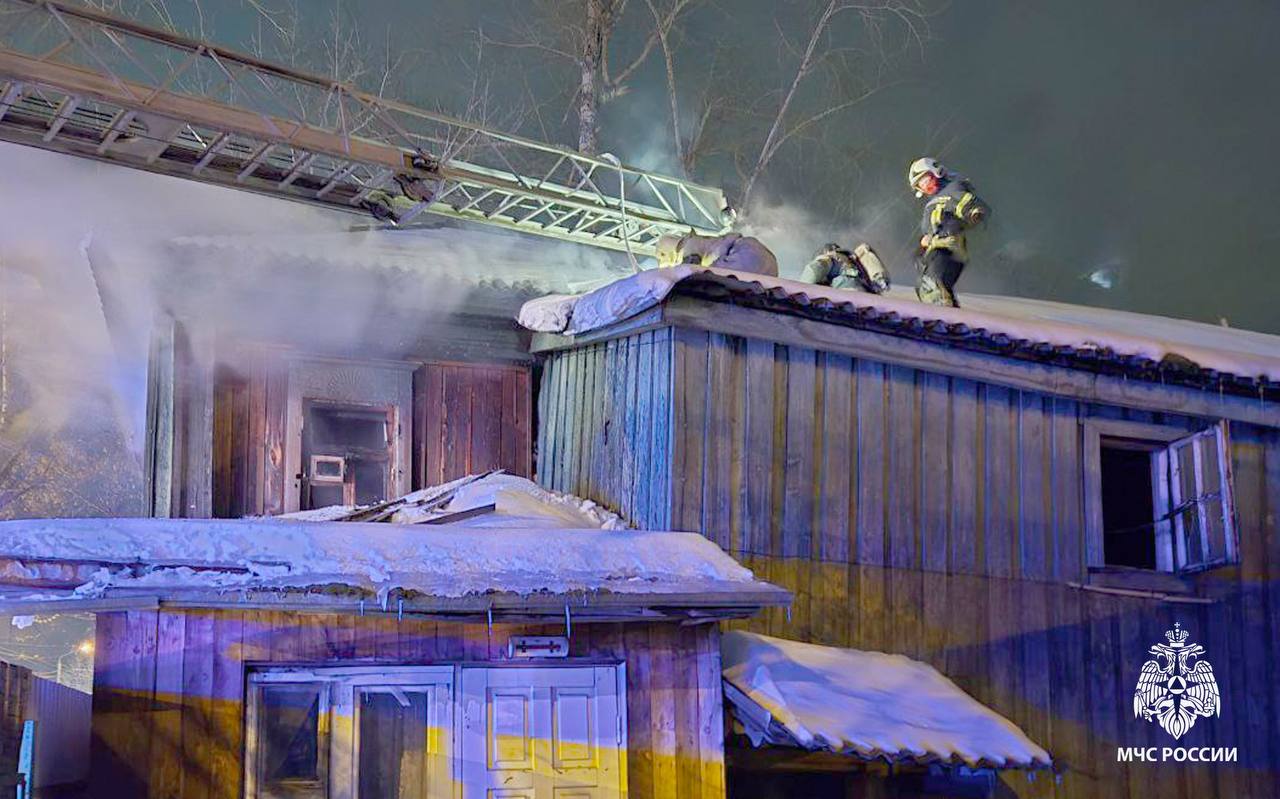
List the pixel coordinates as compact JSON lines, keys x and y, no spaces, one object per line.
{"x":80,"y":82}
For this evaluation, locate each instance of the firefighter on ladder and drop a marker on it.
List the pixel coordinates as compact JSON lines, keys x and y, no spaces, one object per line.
{"x":952,"y":208}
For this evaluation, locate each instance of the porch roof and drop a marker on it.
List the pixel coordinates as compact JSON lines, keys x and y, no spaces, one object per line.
{"x":445,"y":570}
{"x":866,"y":705}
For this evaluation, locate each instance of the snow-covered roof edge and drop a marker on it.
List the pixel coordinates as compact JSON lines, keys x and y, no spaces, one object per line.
{"x":1029,"y":324}
{"x":313,"y":563}
{"x":824,"y":698}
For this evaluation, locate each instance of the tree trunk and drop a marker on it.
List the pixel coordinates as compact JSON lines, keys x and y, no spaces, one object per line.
{"x":589,"y":87}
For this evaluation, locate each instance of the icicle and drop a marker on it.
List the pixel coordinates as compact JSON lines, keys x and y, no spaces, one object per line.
{"x":788,"y":614}
{"x":489,"y":613}
{"x":568,"y":622}
{"x":400,"y":609}
{"x":361,"y":606}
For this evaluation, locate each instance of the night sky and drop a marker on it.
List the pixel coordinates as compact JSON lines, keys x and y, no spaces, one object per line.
{"x":1133,"y":138}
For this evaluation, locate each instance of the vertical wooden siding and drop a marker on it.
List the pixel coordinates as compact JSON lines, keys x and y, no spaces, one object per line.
{"x":249,"y":401}
{"x":470,"y":418}
{"x":466,"y":418}
{"x":943,"y":518}
{"x":604,"y":427}
{"x":168,"y":706}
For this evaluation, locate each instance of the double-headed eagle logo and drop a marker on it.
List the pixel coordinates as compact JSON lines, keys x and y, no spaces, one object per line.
{"x":1174,"y":690}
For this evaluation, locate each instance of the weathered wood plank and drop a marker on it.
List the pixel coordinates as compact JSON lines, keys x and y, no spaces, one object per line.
{"x":197,"y":704}
{"x":433,"y":434}
{"x":642,"y":433}
{"x":936,"y":465}
{"x":906,"y":612}
{"x":757,"y":498}
{"x":1035,"y":509}
{"x":524,"y":423}
{"x":551,"y":422}
{"x":641,"y":762}
{"x":999,"y":501}
{"x":486,"y":421}
{"x":167,"y":765}
{"x":799,"y":472}
{"x":1067,"y":474}
{"x":456,"y":423}
{"x":227,"y":712}
{"x":1068,"y":682}
{"x":724,"y":445}
{"x":660,"y":459}
{"x":838,"y":463}
{"x":257,"y":475}
{"x":690,"y":428}
{"x":109,"y":762}
{"x":687,"y":768}
{"x":629,"y":470}
{"x":662,"y":696}
{"x":592,"y":396}
{"x":967,"y":478}
{"x":871,"y":582}
{"x":710,"y":714}
{"x":1034,"y":699}
{"x":872,"y":463}
{"x":903,"y":437}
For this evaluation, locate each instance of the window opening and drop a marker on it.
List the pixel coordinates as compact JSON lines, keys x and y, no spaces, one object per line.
{"x":347,"y":453}
{"x":1167,"y":506}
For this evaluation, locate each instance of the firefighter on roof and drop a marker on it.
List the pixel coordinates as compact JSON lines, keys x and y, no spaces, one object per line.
{"x":839,"y":268}
{"x":952,"y":208}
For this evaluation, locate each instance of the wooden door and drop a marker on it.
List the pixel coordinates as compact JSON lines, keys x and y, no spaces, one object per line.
{"x":535,"y":732}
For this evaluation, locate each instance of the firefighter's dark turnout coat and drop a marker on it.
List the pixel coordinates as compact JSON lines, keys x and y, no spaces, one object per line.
{"x":948,"y":214}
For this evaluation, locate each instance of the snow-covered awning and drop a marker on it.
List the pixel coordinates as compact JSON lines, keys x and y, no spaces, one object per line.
{"x":1016,"y":324}
{"x":337,"y":566}
{"x":868,"y":705}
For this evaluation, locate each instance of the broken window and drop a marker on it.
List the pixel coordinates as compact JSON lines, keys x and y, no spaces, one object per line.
{"x":346,"y":454}
{"x":1166,"y":506}
{"x":395,"y":731}
{"x":290,"y":723}
{"x":355,"y":732}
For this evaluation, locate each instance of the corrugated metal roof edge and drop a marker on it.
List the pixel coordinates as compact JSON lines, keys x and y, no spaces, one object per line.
{"x":1168,"y":371}
{"x":748,"y":712}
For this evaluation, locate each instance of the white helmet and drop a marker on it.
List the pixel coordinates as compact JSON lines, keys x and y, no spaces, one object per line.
{"x":922,"y":166}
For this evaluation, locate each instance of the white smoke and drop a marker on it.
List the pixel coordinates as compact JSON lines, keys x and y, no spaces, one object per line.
{"x":90,"y":254}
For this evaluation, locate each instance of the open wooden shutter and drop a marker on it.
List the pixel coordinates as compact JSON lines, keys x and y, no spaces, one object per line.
{"x":1197,"y":476}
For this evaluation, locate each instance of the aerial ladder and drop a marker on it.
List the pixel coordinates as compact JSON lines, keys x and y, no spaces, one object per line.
{"x":77,"y":81}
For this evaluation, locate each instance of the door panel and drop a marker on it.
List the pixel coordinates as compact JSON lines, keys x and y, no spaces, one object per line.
{"x":542,"y":733}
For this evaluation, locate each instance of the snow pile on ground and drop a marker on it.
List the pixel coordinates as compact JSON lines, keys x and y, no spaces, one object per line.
{"x":437,"y":560}
{"x":519,"y":502}
{"x":868,"y":704}
{"x":1238,"y":352}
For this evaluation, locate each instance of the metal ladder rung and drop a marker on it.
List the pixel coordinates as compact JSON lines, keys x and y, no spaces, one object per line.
{"x":65,"y":110}
{"x":210,"y":152}
{"x":255,"y":161}
{"x":11,"y":95}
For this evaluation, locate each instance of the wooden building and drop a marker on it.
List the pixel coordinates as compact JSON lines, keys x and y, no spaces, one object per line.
{"x":1024,"y":514}
{"x":356,"y":370}
{"x":506,"y":675}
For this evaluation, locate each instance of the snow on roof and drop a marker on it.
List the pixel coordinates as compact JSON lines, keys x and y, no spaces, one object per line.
{"x":516,"y":501}
{"x":1227,"y":350}
{"x":866,"y":704}
{"x":432,"y":560}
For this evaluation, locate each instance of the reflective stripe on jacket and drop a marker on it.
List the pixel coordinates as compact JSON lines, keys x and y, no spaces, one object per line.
{"x":949,"y":214}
